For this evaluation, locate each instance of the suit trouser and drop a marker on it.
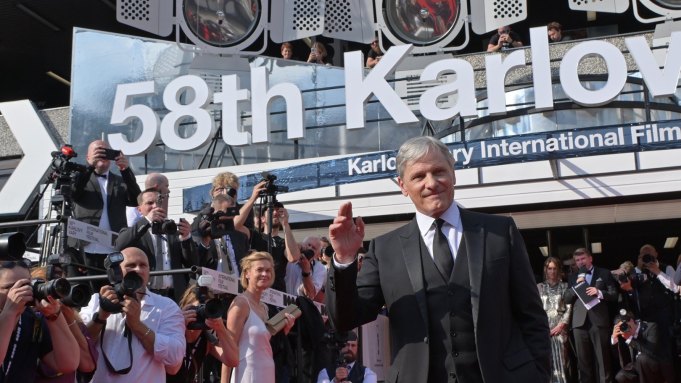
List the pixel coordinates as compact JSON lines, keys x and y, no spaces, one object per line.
{"x":654,"y":371}
{"x":592,"y":344}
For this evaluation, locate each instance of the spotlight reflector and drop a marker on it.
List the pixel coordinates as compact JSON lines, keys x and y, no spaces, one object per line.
{"x":430,"y":26}
{"x":667,"y":9}
{"x":222,"y":26}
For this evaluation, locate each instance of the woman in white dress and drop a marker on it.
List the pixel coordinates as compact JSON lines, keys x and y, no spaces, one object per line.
{"x":246,"y":319}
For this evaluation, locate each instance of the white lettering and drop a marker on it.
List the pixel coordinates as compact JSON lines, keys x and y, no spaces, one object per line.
{"x":660,"y":83}
{"x":199,"y":94}
{"x":232,"y":130}
{"x":496,"y":69}
{"x":463,"y":86}
{"x":358,"y":88}
{"x":617,"y":73}
{"x":260,"y":102}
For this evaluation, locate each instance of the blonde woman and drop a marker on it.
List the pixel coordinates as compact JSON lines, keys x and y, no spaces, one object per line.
{"x":252,"y":360}
{"x":317,"y":53}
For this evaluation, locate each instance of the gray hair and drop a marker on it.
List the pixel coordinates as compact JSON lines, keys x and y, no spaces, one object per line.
{"x":418,"y":147}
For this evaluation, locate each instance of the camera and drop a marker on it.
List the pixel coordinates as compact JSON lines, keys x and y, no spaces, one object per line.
{"x":624,"y":327}
{"x":167,"y":226}
{"x":65,"y":171}
{"x":79,"y":293}
{"x":623,"y":277}
{"x":123,"y":286}
{"x":308,"y":253}
{"x":271,"y":188}
{"x":56,"y":288}
{"x":218,"y":223}
{"x":647,"y":258}
{"x":208,"y":307}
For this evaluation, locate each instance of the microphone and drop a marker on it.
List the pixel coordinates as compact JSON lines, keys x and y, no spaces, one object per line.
{"x":582,"y":272}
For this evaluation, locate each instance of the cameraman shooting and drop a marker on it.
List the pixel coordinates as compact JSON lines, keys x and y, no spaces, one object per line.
{"x":26,"y":337}
{"x":167,"y":244}
{"x":350,"y":370}
{"x":100,"y":198}
{"x":144,"y":339}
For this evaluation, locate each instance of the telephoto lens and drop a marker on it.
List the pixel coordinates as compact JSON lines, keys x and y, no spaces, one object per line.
{"x":55,"y":288}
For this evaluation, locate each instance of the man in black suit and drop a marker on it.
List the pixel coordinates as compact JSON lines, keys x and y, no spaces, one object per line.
{"x":100,"y":198}
{"x":173,"y":251}
{"x":460,"y":294}
{"x":591,"y":326}
{"x":651,"y":345}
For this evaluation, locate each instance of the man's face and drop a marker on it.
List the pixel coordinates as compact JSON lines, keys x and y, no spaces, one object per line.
{"x":8,"y":277}
{"x":275,"y":218}
{"x":135,"y":260}
{"x":350,"y":351}
{"x":583,"y":260}
{"x":222,"y":206}
{"x":554,"y":35}
{"x":149,"y":201}
{"x":429,"y":183}
{"x":102,"y":165}
{"x":503,"y":30}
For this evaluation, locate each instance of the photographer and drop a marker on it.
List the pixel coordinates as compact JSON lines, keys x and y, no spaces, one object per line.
{"x":100,"y":198}
{"x":26,"y":337}
{"x":284,"y":250}
{"x":221,"y":246}
{"x":351,"y":370}
{"x":504,"y":39}
{"x":653,"y":359}
{"x":88,"y":352}
{"x":213,"y":339}
{"x":648,"y":255}
{"x":306,"y":276}
{"x":167,"y":244}
{"x":145,"y":340}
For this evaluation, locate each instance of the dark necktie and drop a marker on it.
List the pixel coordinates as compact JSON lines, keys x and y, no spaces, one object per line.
{"x":441,"y":251}
{"x":158,"y":280}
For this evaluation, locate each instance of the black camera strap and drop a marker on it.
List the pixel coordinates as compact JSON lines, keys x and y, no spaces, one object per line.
{"x":128,"y":334}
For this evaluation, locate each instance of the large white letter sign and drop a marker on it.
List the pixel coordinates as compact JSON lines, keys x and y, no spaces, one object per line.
{"x":261,"y":98}
{"x":358,"y":89}
{"x":231,"y":111}
{"x":541,"y":69}
{"x":199,"y":94}
{"x":496,"y":69}
{"x":569,"y":73}
{"x":660,"y":83}
{"x":463,"y":86}
{"x":124,"y":112}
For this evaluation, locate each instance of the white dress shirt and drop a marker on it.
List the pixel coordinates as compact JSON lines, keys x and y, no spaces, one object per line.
{"x":96,"y":248}
{"x":164,"y":318}
{"x":294,"y":278}
{"x":452,"y":229}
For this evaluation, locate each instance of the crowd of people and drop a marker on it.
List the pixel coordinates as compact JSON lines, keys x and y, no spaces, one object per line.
{"x":455,"y":285}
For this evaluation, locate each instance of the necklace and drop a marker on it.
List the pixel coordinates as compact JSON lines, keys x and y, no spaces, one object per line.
{"x":5,"y":370}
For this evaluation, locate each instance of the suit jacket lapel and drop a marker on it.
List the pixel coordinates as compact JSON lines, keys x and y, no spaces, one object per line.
{"x":411,"y":240}
{"x":95,"y":186}
{"x":474,"y":235}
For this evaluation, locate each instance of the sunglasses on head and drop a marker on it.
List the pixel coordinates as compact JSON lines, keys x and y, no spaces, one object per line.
{"x":25,"y":263}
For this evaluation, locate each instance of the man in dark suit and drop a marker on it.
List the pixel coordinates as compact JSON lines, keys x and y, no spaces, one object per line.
{"x":591,"y":326}
{"x":460,"y":294}
{"x":175,"y":251}
{"x":651,"y":345}
{"x":99,"y":199}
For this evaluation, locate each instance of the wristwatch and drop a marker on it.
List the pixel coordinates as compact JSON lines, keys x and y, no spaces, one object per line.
{"x":95,"y":318}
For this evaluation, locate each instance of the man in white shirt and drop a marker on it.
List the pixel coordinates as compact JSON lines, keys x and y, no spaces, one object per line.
{"x":146,"y":338}
{"x":353,"y":370}
{"x":307,"y":274}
